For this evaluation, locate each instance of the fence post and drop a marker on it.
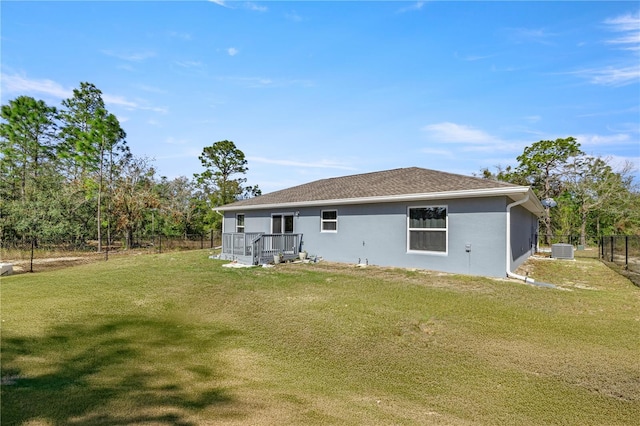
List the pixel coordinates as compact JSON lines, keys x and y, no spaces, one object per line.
{"x":201,"y":241}
{"x":601,"y":246}
{"x":211,"y":239}
{"x":626,"y":252}
{"x":160,"y":243}
{"x":612,"y":248}
{"x":31,"y":258}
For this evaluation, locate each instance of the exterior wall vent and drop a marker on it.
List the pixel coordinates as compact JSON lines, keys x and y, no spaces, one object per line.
{"x":562,"y":251}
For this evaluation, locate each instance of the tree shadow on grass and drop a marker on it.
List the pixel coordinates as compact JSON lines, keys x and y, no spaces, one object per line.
{"x":113,"y":371}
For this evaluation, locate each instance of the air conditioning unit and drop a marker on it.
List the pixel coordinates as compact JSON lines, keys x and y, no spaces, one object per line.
{"x":6,"y":269}
{"x":562,"y":251}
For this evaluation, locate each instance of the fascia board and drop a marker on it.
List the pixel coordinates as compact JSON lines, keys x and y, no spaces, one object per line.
{"x":518,"y":191}
{"x":534,"y":205}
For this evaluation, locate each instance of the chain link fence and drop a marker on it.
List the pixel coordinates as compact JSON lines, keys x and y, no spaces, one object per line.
{"x":160,"y":243}
{"x":623,"y":250}
{"x":40,"y":247}
{"x":573,"y":239}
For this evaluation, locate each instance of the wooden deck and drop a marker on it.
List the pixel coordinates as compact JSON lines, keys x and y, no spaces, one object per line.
{"x":256,"y":248}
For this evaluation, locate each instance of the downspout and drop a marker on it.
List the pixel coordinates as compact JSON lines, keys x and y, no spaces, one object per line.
{"x":222,"y":216}
{"x":221,"y":229}
{"x":511,"y":274}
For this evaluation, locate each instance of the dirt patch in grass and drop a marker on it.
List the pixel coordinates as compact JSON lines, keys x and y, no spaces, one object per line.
{"x":579,"y":273}
{"x":392,"y":275}
{"x":631,"y":275}
{"x":49,"y":264}
{"x":50,"y":261}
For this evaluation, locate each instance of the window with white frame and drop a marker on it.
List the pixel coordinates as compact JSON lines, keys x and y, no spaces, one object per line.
{"x":240,"y":223}
{"x":427,"y":229}
{"x":329,"y":221}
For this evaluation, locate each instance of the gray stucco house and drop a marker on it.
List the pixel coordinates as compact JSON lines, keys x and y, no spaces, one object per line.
{"x":409,"y":217}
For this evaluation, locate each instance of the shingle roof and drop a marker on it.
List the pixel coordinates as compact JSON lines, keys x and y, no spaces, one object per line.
{"x":389,"y":183}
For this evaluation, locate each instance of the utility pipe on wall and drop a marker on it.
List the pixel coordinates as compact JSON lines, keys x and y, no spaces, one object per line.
{"x":222,"y":216}
{"x":508,"y":246}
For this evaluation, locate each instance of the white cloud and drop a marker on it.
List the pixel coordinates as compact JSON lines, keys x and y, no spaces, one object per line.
{"x":126,"y":67}
{"x":321,"y":164}
{"x":130,"y":56}
{"x":293,"y":16}
{"x":131,"y":105}
{"x":14,"y":83}
{"x":629,"y":25}
{"x":150,"y":89}
{"x":189,"y":64}
{"x":505,"y":69}
{"x":259,"y":82}
{"x":628,"y":22}
{"x":184,"y":153}
{"x":627,"y":69}
{"x":159,"y":110}
{"x":497,"y":146}
{"x":611,"y":76}
{"x":265,"y":82}
{"x":619,"y":163}
{"x":173,"y":141}
{"x":473,"y":58}
{"x":181,"y":36}
{"x":18,"y":84}
{"x":634,"y":109}
{"x":626,"y":127}
{"x":467,"y":139}
{"x":533,"y":118}
{"x":255,"y":7}
{"x":119,"y":100}
{"x":633,"y":39}
{"x":232,"y":51}
{"x":602,"y":140}
{"x":530,"y":35}
{"x":438,"y":152}
{"x":412,"y":7}
{"x":457,"y":133}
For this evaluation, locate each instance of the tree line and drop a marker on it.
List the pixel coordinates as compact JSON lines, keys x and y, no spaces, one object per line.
{"x":583,"y":195}
{"x":67,"y":174}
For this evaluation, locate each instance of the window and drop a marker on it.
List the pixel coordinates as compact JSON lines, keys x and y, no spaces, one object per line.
{"x":329,"y":221}
{"x":282,"y":224}
{"x":427,"y":229}
{"x":240,"y":223}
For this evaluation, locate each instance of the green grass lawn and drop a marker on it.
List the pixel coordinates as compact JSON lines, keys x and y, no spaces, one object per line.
{"x":178,"y":339}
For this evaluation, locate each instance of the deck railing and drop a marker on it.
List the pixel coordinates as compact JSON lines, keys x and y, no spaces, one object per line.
{"x":256,"y":248}
{"x":238,"y":243}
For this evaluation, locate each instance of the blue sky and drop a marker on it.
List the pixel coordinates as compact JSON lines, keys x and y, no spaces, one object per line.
{"x":309,"y":90}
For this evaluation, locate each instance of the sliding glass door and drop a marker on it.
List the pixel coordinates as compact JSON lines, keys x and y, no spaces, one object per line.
{"x":282,"y":224}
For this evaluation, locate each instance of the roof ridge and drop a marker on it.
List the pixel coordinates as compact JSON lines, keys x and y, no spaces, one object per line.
{"x":392,"y":183}
{"x":379,"y":172}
